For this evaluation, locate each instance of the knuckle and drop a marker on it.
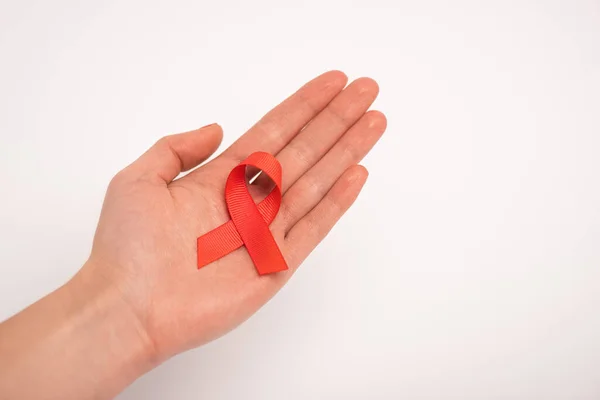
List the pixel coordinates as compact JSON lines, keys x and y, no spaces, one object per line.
{"x":286,"y":211}
{"x":300,"y":152}
{"x":351,"y":153}
{"x":164,"y":141}
{"x":309,"y":102}
{"x":313,"y":227}
{"x":309,"y":188}
{"x":272,"y":129}
{"x":339,"y":115}
{"x":119,"y":178}
{"x":336,"y":206}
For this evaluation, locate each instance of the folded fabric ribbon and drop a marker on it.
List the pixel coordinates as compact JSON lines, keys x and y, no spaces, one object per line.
{"x":249,"y":224}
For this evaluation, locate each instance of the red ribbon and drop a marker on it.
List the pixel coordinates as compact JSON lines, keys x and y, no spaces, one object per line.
{"x":249,"y":224}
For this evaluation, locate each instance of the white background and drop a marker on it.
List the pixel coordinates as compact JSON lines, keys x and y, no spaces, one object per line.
{"x":468,"y":269}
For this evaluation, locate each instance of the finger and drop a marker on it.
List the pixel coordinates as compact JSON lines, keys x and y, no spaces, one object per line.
{"x":314,"y":184}
{"x":174,"y":154}
{"x":282,"y":123}
{"x":325,"y":129}
{"x":315,"y":225}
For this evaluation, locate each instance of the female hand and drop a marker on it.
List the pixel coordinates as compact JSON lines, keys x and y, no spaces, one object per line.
{"x":141,"y":296}
{"x":146,"y":239}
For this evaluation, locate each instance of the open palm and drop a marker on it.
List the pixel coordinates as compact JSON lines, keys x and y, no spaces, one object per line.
{"x":145,"y":244}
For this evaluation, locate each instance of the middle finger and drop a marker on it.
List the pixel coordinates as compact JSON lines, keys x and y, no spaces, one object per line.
{"x":326,"y":129}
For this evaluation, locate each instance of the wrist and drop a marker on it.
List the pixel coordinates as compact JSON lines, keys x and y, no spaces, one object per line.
{"x":100,"y":308}
{"x":85,"y":330}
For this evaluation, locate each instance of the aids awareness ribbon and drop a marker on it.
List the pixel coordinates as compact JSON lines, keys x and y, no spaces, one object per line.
{"x":249,"y":224}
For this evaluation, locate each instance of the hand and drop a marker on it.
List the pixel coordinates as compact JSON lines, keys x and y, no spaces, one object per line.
{"x":145,"y":244}
{"x":140,"y":297}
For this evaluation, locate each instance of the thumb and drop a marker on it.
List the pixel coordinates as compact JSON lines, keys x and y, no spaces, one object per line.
{"x":174,"y":154}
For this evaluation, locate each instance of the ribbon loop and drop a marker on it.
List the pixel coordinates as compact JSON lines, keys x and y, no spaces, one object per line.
{"x":249,"y":224}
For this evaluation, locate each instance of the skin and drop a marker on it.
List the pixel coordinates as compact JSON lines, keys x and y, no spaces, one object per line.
{"x":140,"y":298}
